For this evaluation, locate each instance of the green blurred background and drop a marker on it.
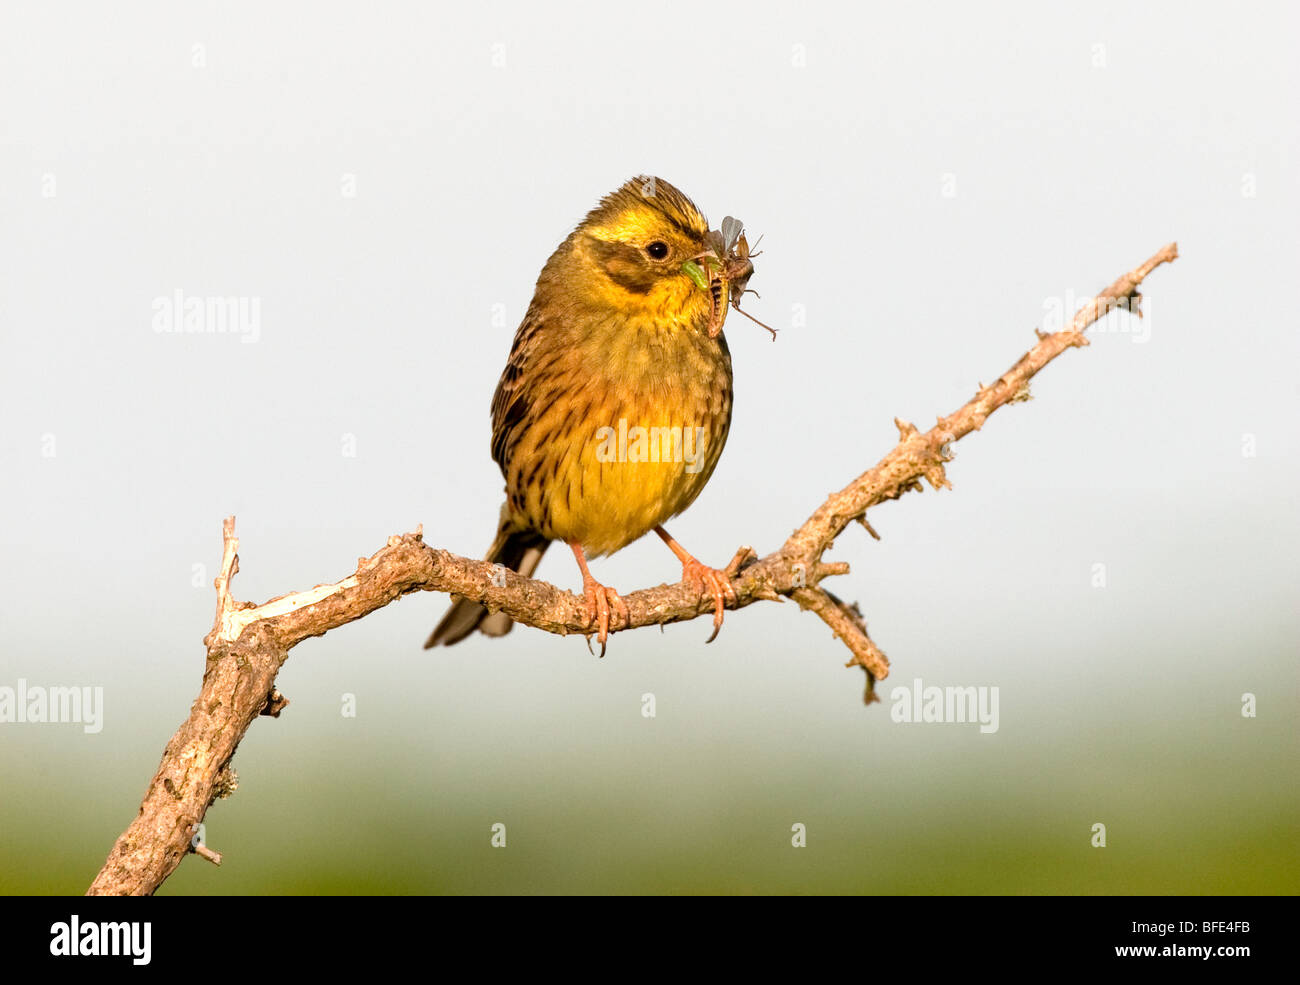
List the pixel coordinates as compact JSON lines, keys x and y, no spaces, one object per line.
{"x":596,"y":798}
{"x":930,"y":185}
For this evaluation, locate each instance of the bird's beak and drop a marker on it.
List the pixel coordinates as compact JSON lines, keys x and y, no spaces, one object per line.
{"x":695,"y":270}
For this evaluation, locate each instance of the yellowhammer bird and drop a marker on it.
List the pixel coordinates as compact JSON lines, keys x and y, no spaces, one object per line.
{"x":615,"y":402}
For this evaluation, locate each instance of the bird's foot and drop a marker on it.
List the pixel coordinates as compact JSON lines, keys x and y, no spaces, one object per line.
{"x":713,"y":582}
{"x":602,"y":601}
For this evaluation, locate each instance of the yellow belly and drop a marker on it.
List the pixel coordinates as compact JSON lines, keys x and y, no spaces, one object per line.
{"x":629,"y":442}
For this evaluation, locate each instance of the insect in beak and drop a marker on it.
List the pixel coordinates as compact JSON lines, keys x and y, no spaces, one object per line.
{"x":696,"y":273}
{"x":724,"y":270}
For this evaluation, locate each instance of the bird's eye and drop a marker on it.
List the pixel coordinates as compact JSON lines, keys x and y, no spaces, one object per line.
{"x":657,"y":250}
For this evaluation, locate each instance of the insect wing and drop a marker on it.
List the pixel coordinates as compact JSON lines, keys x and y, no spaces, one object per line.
{"x":732,"y":229}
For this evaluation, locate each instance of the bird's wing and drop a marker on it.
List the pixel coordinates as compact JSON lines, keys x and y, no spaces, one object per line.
{"x":516,"y":390}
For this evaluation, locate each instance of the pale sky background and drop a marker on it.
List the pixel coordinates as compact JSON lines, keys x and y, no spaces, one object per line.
{"x":931,"y":184}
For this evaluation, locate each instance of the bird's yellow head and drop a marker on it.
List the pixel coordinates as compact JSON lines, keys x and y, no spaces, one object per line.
{"x":647,"y":251}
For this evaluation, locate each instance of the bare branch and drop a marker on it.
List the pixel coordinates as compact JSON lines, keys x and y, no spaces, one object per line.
{"x":249,"y":643}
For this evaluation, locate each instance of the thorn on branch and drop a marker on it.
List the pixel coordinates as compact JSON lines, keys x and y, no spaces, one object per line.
{"x":275,"y":703}
{"x":906,"y":429}
{"x":203,"y":851}
{"x":744,"y":556}
{"x":936,"y":476}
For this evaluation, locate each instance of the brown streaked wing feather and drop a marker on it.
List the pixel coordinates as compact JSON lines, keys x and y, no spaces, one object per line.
{"x":513,"y":398}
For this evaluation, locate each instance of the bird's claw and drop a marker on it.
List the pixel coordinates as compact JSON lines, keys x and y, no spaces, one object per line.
{"x":601,"y":601}
{"x":712,"y":582}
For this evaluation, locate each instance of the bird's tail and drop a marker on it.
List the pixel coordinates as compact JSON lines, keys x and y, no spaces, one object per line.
{"x":519,"y":551}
